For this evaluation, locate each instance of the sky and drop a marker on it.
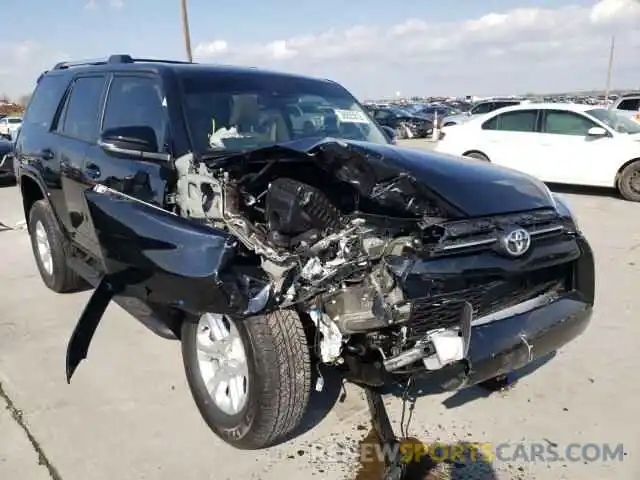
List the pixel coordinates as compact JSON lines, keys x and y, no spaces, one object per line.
{"x":373,"y":47}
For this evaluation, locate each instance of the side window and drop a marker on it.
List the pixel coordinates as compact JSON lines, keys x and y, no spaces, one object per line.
{"x":491,"y":124}
{"x":136,"y":101}
{"x":45,"y":100}
{"x":630,"y":104}
{"x":518,"y":121}
{"x":566,"y":123}
{"x":485,"y":107}
{"x":381,"y":114}
{"x":82,"y":110}
{"x":293,"y":111}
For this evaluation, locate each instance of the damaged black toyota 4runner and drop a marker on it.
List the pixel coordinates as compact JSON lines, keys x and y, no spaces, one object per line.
{"x":269,"y":241}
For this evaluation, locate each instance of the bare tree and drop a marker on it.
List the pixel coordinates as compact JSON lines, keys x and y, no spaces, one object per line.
{"x":24,"y":99}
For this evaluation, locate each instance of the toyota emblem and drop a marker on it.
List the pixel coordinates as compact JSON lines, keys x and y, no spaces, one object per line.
{"x":517,"y":242}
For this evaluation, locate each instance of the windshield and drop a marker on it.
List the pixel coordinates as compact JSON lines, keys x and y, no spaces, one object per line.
{"x":618,"y":122}
{"x":14,"y":120}
{"x":249,"y":110}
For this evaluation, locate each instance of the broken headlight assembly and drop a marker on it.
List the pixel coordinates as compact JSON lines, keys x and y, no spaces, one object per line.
{"x":563,"y":207}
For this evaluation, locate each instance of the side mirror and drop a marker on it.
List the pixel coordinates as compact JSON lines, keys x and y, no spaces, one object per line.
{"x":137,"y":142}
{"x":390,"y":133}
{"x":597,"y":132}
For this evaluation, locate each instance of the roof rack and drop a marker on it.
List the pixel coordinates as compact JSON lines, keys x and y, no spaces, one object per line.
{"x":114,"y":59}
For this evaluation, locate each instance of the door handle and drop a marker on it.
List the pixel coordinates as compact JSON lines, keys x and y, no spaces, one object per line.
{"x":46,"y":154}
{"x":92,"y":170}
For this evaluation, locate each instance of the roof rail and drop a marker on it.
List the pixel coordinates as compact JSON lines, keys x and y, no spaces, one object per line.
{"x":113,"y":59}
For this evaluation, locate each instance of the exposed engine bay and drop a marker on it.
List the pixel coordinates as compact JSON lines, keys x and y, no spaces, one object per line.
{"x":333,"y":238}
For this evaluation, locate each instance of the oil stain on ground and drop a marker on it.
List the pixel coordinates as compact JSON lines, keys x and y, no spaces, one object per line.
{"x":473,"y":466}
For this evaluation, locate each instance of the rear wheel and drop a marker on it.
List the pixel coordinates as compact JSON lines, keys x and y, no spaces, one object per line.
{"x":250,"y":378}
{"x":47,"y":243}
{"x":629,"y":182}
{"x":477,"y":155}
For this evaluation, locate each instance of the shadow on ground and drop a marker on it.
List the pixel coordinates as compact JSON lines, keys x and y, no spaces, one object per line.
{"x":434,"y":385}
{"x":583,"y":190}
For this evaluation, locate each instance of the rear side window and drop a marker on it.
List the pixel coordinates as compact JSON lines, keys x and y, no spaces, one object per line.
{"x":82,"y":110}
{"x":519,"y":121}
{"x":45,"y":100}
{"x":483,"y":108}
{"x":630,"y":104}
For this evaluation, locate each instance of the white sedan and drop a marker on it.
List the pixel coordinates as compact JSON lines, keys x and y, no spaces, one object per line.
{"x":558,"y":143}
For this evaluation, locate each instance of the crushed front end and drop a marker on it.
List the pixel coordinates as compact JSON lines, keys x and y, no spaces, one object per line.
{"x":465,"y":303}
{"x":399,"y":277}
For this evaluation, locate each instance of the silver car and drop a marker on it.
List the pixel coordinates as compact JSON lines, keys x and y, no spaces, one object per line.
{"x":479,"y":108}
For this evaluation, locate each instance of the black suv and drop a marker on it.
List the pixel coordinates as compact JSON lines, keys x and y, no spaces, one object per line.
{"x":188,"y":195}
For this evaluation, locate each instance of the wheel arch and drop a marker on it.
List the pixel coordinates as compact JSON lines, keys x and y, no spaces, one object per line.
{"x":32,"y":190}
{"x":480,"y":152}
{"x":620,"y":170}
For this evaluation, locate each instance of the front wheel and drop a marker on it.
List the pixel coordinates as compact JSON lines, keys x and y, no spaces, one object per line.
{"x":629,"y":182}
{"x":250,"y":378}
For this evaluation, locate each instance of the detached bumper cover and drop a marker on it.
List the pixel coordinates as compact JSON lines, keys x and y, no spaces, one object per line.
{"x":507,"y":345}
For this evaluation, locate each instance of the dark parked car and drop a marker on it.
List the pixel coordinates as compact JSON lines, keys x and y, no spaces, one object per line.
{"x":182,"y":193}
{"x":7,"y":173}
{"x":405,"y":124}
{"x":439,"y":111}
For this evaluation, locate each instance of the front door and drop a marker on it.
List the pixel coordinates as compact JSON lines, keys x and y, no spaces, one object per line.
{"x":570,"y":155}
{"x":132,"y":100}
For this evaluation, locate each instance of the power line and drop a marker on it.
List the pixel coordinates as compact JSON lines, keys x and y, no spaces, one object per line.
{"x":610,"y":67}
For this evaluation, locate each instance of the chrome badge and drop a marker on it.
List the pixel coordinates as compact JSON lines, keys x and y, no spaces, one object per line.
{"x":517,"y":242}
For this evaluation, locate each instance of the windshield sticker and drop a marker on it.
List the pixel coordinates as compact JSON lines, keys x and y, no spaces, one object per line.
{"x":351,"y":116}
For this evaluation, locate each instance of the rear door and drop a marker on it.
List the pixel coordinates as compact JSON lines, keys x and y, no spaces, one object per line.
{"x":511,"y":139}
{"x":76,"y":129}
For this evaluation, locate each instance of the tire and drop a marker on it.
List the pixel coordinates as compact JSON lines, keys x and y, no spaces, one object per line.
{"x":278,"y":381}
{"x":478,"y":156}
{"x":629,"y":182}
{"x":54,"y":271}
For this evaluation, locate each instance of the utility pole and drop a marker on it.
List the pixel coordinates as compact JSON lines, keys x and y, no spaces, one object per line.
{"x":185,"y":29}
{"x":610,"y":67}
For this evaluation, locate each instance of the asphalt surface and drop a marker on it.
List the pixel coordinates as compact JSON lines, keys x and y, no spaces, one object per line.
{"x":128,"y":413}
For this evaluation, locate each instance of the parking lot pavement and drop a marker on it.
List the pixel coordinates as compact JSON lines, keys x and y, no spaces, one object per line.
{"x":128,"y":413}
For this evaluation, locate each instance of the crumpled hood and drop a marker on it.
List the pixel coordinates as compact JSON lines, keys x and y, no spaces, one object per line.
{"x":473,"y":187}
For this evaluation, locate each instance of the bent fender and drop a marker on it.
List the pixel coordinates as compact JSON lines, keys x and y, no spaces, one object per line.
{"x":161,"y":258}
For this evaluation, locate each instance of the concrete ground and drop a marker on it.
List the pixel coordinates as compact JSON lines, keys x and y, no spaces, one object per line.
{"x":128,"y":414}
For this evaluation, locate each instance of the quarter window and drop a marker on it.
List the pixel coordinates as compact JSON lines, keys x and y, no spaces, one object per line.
{"x":518,"y":121}
{"x":630,"y":104}
{"x":567,"y":123}
{"x":45,"y":100}
{"x":83,"y":109}
{"x":137,"y":101}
